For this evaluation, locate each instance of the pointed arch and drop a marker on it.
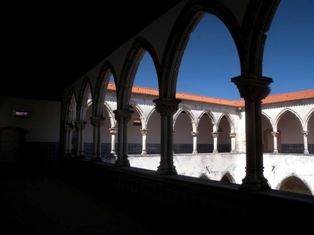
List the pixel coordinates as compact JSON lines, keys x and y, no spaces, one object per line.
{"x":295,"y":184}
{"x":188,"y":112}
{"x":227,"y":178}
{"x":110,"y":113}
{"x":283,"y":112}
{"x":209,"y":114}
{"x":229,"y":119}
{"x":101,"y":85}
{"x":179,"y":36}
{"x":149,"y":115}
{"x":267,"y":130}
{"x":85,"y":90}
{"x":140,"y":112}
{"x":268,"y":118}
{"x":130,"y":66}
{"x":70,"y":106}
{"x":307,"y":118}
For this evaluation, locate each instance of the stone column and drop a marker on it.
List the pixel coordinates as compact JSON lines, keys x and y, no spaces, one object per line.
{"x":194,"y":134}
{"x":80,"y":125}
{"x":306,"y":149}
{"x":113,"y":132}
{"x":233,"y":142}
{"x":96,"y":123}
{"x":166,"y":107}
{"x":144,"y":136}
{"x":253,"y":90}
{"x":122,"y":116}
{"x":215,"y":141}
{"x":275,"y":135}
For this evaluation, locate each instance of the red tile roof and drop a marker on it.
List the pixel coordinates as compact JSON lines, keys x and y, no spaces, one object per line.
{"x":299,"y":95}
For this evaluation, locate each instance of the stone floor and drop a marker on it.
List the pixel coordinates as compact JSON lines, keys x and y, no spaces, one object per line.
{"x":41,"y":203}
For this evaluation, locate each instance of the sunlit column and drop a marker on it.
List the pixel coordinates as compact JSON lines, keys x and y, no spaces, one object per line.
{"x":233,"y":142}
{"x":166,"y":107}
{"x":306,"y":149}
{"x":194,"y":134}
{"x":253,"y":90}
{"x":275,"y":135}
{"x":144,"y":136}
{"x":215,"y":141}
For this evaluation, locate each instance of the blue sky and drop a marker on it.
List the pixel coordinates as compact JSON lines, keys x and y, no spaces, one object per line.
{"x":211,"y":59}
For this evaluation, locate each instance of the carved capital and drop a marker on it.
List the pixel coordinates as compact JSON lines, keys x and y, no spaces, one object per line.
{"x":194,"y":133}
{"x":253,"y":88}
{"x":167,"y":106}
{"x":305,"y":133}
{"x":275,"y":133}
{"x":80,"y":124}
{"x":113,"y":130}
{"x":97,"y":121}
{"x":215,"y":134}
{"x":233,"y":134}
{"x":144,"y":131}
{"x":123,"y":114}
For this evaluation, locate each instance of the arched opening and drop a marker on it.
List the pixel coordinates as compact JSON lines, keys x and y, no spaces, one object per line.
{"x":106,"y":135}
{"x":205,"y":136}
{"x":294,"y":184}
{"x":182,"y":139}
{"x":294,"y":58}
{"x":210,"y":47}
{"x":134,"y":133}
{"x":224,"y":139}
{"x":71,"y":142}
{"x":268,"y":140}
{"x":153,"y":133}
{"x":310,"y":137}
{"x":88,"y":134}
{"x":227,"y":178}
{"x":290,"y":129}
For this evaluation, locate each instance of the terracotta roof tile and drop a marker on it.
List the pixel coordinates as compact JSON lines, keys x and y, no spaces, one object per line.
{"x":299,"y":95}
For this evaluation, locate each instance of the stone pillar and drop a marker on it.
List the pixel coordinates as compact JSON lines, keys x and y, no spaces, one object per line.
{"x":122,"y":116}
{"x":113,"y":132}
{"x":80,"y":126}
{"x":215,"y":141}
{"x":96,"y":123}
{"x":194,"y":134}
{"x":166,"y":107}
{"x":306,"y":149}
{"x":253,"y":90}
{"x":233,"y":142}
{"x":275,"y":135}
{"x":144,"y":136}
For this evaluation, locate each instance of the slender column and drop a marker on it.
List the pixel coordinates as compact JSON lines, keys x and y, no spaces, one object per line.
{"x":166,"y":107}
{"x":144,"y":136}
{"x":215,"y":141}
{"x":122,"y":116}
{"x":67,"y":128}
{"x":97,"y":122}
{"x":80,"y":125}
{"x":113,"y":132}
{"x":194,"y":134}
{"x":275,"y":135}
{"x":253,"y":90}
{"x":306,"y":149}
{"x":233,"y":143}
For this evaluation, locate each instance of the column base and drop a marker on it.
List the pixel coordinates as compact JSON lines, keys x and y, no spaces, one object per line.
{"x":215,"y":151}
{"x":144,"y":152}
{"x":195,"y":152}
{"x":122,"y":163}
{"x":254,"y":185}
{"x":167,"y":170}
{"x":306,"y":151}
{"x":275,"y":151}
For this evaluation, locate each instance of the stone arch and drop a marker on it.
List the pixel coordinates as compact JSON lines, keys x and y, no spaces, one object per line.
{"x":101,"y":85}
{"x":289,"y":141}
{"x":135,"y":125}
{"x":294,"y":184}
{"x":188,"y":112}
{"x":309,"y":115}
{"x":130,"y":66}
{"x":183,"y":142}
{"x":227,"y":178}
{"x":70,"y":107}
{"x":267,"y":130}
{"x":140,"y":112}
{"x":285,"y":110}
{"x":205,"y":128}
{"x":110,"y":113}
{"x":178,"y":39}
{"x":85,"y":91}
{"x":224,"y":135}
{"x":153,"y":132}
{"x":309,"y":128}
